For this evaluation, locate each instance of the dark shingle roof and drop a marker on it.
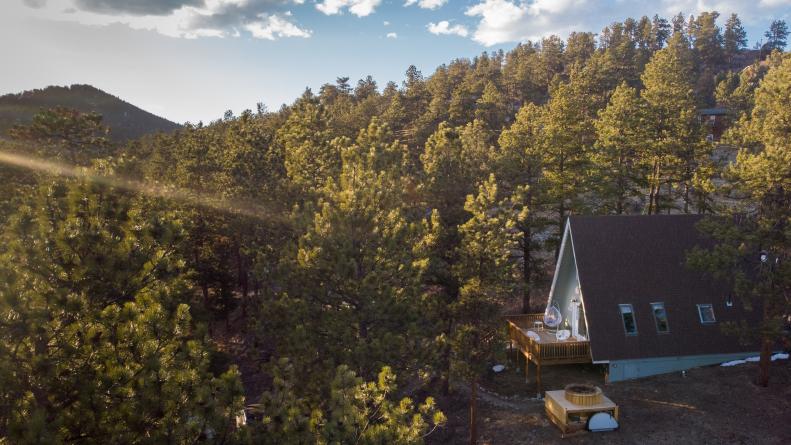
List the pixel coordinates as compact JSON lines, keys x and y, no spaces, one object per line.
{"x":641,"y":260}
{"x":713,"y":111}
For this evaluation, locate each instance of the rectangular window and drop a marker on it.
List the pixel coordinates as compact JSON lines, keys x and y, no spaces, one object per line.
{"x":660,"y":316}
{"x":629,"y":322}
{"x":706,"y":312}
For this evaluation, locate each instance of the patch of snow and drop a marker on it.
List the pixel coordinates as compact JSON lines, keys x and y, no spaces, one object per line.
{"x":778,"y":356}
{"x":498,"y":368}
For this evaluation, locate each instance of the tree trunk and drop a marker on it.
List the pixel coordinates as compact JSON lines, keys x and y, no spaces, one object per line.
{"x":561,"y":214}
{"x":765,"y":362}
{"x":670,"y":196}
{"x":526,"y":270}
{"x":204,"y":287}
{"x":653,"y":197}
{"x":474,"y":412}
{"x":445,"y":366}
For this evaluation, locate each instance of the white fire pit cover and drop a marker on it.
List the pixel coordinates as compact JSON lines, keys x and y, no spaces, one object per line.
{"x":602,"y":422}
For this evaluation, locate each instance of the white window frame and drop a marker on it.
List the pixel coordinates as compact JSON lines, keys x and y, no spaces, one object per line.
{"x":623,"y":320}
{"x":700,"y":313}
{"x":656,"y":320}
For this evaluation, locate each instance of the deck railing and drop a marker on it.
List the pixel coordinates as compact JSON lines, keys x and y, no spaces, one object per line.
{"x":545,"y":352}
{"x":525,"y":320}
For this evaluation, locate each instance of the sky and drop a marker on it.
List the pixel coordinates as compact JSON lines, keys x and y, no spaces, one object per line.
{"x":191,"y":60}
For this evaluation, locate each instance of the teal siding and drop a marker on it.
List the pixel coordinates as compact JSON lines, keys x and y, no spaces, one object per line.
{"x":644,"y":367}
{"x":565,"y":285}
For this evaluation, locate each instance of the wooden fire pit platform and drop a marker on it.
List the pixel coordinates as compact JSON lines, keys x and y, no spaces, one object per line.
{"x":571,"y":418}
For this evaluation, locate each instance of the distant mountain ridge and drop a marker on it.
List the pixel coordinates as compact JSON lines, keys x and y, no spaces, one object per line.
{"x":125,"y":120}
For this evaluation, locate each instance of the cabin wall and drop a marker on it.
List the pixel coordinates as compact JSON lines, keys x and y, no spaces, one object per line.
{"x":565,"y":287}
{"x":644,"y":367}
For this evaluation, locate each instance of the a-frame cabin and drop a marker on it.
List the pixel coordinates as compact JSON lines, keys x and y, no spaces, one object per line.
{"x":640,"y":310}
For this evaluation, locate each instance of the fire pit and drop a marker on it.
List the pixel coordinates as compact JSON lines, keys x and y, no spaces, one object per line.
{"x":574,"y":409}
{"x":583,"y":394}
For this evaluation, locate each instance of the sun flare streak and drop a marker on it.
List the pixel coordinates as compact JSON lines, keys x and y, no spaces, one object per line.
{"x":152,"y":190}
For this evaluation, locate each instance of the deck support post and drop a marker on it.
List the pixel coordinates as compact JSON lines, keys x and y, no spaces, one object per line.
{"x":516,"y":352}
{"x":527,"y":368}
{"x":538,"y":377}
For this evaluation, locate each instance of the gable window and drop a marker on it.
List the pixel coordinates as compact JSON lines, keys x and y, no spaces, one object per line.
{"x":729,"y":300}
{"x":629,"y":322}
{"x":660,"y":317}
{"x":706,"y":312}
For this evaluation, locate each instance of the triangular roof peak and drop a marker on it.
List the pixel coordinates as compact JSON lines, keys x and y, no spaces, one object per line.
{"x":639,"y":260}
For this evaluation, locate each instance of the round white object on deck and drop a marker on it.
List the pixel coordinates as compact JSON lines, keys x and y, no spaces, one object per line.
{"x":498,"y":368}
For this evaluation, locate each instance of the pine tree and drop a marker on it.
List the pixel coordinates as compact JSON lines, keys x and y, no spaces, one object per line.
{"x":520,"y":165}
{"x":734,"y":37}
{"x":678,"y":23}
{"x":353,"y":277}
{"x":708,"y":39}
{"x":660,"y":32}
{"x":674,"y":137}
{"x":580,"y":46}
{"x":754,"y":238}
{"x":63,"y":133}
{"x":484,"y":269}
{"x":352,"y":411}
{"x":776,"y":36}
{"x":453,"y":162}
{"x":621,"y":170}
{"x":491,"y":107}
{"x":310,"y":161}
{"x":100,"y":345}
{"x":568,"y":138}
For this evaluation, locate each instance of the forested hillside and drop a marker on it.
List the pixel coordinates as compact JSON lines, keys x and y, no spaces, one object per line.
{"x":126,"y":120}
{"x":354,"y":251}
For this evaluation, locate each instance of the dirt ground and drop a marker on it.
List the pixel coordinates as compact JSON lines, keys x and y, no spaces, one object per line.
{"x":711,"y":405}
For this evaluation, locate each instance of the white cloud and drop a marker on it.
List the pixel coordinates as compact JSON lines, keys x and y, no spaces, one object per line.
{"x":263,"y":19}
{"x":426,"y":4}
{"x":444,"y":28}
{"x":505,"y":21}
{"x":360,"y":8}
{"x":386,"y":23}
{"x":392,"y":35}
{"x":273,"y":27}
{"x":501,"y":21}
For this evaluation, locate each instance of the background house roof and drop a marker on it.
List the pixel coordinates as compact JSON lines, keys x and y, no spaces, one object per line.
{"x":640,"y":260}
{"x":712,"y":112}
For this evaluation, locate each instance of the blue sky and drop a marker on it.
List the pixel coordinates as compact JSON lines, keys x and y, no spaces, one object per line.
{"x":190,"y":60}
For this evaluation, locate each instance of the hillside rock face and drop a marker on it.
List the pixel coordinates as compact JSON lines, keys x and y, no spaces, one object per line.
{"x":125,"y":120}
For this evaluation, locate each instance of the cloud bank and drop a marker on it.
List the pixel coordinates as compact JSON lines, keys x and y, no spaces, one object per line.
{"x":135,"y":7}
{"x":506,"y":21}
{"x":426,"y":4}
{"x":360,"y":8}
{"x":260,"y":19}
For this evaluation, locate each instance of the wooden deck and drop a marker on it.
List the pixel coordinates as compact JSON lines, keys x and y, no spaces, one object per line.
{"x":545,"y":352}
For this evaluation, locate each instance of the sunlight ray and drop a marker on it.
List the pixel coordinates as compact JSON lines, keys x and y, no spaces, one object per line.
{"x":153,"y":190}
